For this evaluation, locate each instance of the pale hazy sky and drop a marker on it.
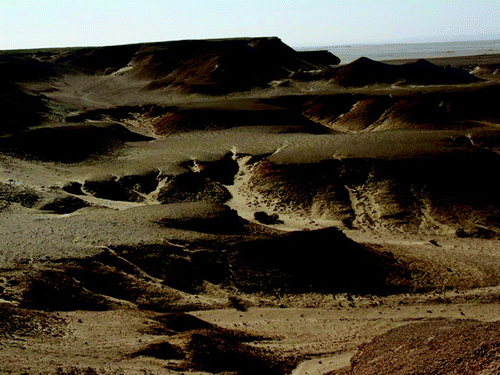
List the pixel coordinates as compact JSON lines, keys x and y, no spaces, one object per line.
{"x":63,"y":23}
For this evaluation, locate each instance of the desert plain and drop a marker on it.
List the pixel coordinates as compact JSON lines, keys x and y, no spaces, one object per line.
{"x":236,"y":206}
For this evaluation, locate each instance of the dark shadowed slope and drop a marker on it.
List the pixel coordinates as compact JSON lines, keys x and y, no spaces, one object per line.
{"x":207,"y":66}
{"x":218,"y":66}
{"x":20,"y":109}
{"x":206,"y":115}
{"x":364,"y":72}
{"x":322,"y":57}
{"x":320,"y":261}
{"x":423,"y":72}
{"x":457,"y":108}
{"x":68,"y":144}
{"x":54,"y":85}
{"x":452,"y":191}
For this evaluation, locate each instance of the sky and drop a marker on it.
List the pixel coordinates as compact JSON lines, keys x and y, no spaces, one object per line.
{"x":299,"y":23}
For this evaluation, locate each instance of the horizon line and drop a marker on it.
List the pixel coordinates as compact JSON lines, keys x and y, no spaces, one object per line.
{"x":312,"y":47}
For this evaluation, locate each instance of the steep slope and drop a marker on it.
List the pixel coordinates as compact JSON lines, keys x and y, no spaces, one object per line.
{"x":218,"y":66}
{"x":332,"y":263}
{"x":453,"y":193}
{"x":364,"y":71}
{"x":368,"y":110}
{"x":204,"y":115}
{"x":20,"y":108}
{"x":68,"y":144}
{"x":50,"y":86}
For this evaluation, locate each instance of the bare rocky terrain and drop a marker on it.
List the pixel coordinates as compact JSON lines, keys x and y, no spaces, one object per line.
{"x":235,"y":206}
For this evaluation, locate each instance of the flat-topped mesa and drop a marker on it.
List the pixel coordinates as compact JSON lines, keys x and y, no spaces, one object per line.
{"x":321,"y":57}
{"x":212,"y":66}
{"x":219,"y":66}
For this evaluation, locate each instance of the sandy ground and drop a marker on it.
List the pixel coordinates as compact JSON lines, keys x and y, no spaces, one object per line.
{"x":320,"y":330}
{"x":324,"y":330}
{"x":331,"y":336}
{"x":327,"y":335}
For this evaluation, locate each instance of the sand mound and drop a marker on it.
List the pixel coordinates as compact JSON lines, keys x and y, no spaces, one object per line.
{"x":215,"y":350}
{"x":63,"y":204}
{"x":435,"y":347}
{"x":423,"y":72}
{"x":455,"y":191}
{"x":363,"y":113}
{"x":110,"y":281}
{"x":333,"y":264}
{"x":13,"y":193}
{"x":213,"y":353}
{"x":48,"y":201}
{"x":17,"y":321}
{"x":68,"y":144}
{"x":192,"y":187}
{"x":363,"y":72}
{"x":181,"y":322}
{"x":54,"y":290}
{"x":24,"y":67}
{"x":110,"y":187}
{"x":358,"y":113}
{"x":180,"y":267}
{"x":460,"y":108}
{"x":210,"y":115}
{"x":20,"y":108}
{"x":162,"y":276}
{"x":155,"y":187}
{"x":222,"y":171}
{"x":216,"y":119}
{"x":219,"y":219}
